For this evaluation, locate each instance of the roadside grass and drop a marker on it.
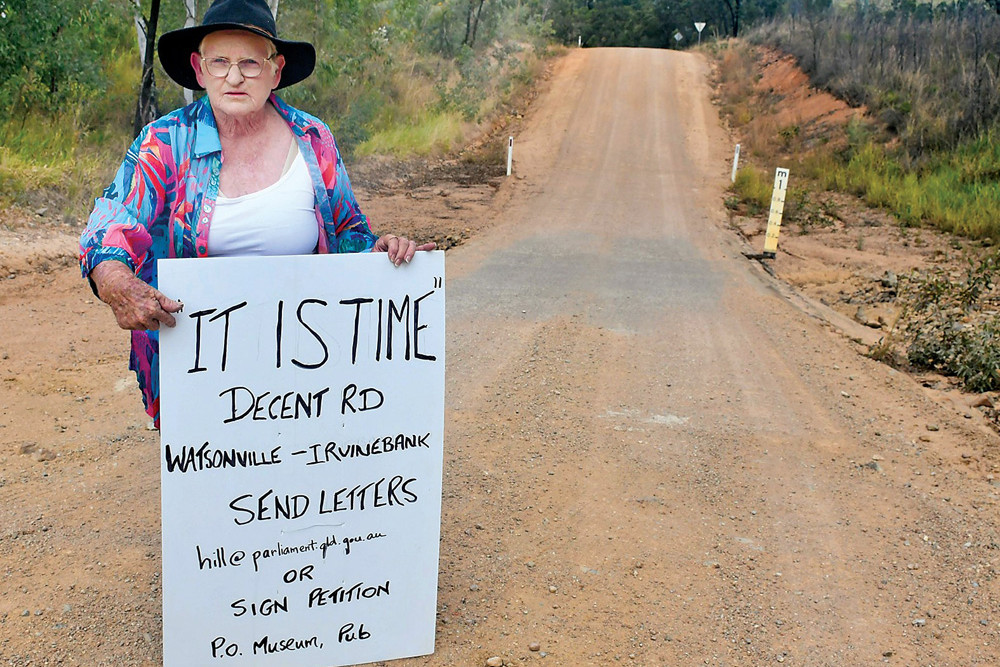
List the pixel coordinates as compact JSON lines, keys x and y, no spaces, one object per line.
{"x":438,"y":110}
{"x":433,"y":134}
{"x":753,"y":189}
{"x":957,"y":193}
{"x":45,"y":160}
{"x":948,"y":322}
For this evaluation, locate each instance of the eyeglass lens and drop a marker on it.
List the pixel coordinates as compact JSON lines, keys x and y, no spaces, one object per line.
{"x":220,"y":67}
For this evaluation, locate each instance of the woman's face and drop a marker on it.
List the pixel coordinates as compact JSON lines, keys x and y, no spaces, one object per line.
{"x":235,"y":94}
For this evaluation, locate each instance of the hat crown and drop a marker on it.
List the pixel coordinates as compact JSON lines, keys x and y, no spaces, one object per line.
{"x":251,"y":13}
{"x":176,"y":46}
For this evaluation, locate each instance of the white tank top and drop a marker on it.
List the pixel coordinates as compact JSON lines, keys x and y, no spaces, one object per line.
{"x":278,"y":220}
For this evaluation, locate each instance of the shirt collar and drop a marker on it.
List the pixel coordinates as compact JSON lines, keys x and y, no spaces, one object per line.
{"x":290,"y":114}
{"x":206,"y":133}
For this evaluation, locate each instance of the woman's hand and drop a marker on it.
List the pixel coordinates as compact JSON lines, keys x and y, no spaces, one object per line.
{"x":136,"y":304}
{"x":399,"y":248}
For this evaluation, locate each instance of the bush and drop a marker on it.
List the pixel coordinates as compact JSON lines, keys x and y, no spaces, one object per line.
{"x":754,"y":189}
{"x":944,"y":328}
{"x":929,"y":74}
{"x":53,"y":52}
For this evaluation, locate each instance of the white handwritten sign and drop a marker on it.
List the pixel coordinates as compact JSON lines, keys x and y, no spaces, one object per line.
{"x":302,"y":414}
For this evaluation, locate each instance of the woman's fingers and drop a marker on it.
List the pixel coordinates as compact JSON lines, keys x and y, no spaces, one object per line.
{"x":135,"y":303}
{"x":142,"y":307}
{"x":401,"y":249}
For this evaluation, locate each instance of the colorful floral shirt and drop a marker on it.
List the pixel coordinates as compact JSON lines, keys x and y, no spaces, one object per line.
{"x":161,"y":201}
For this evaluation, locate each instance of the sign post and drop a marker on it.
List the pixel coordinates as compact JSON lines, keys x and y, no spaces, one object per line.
{"x":302,"y":413}
{"x":777,"y":209}
{"x":699,"y":26}
{"x":510,"y":153}
{"x":736,"y":162}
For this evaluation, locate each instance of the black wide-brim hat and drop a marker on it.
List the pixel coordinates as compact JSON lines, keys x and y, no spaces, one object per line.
{"x":175,"y":47}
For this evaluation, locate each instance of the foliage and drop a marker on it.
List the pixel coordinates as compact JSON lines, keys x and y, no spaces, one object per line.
{"x":437,"y":133}
{"x":944,"y":328}
{"x":929,"y":73}
{"x":53,"y":53}
{"x":754,"y":189}
{"x":393,"y":77}
{"x":651,"y":23}
{"x":948,"y":323}
{"x":954,"y":187}
{"x":64,"y":100}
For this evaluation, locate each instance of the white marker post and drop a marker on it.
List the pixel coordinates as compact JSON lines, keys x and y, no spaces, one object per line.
{"x":510,"y":153}
{"x":579,"y":40}
{"x":736,"y":162}
{"x":777,"y":208}
{"x":699,"y":26}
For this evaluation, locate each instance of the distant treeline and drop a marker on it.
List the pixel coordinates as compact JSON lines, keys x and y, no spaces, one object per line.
{"x":654,"y":23}
{"x":929,"y":73}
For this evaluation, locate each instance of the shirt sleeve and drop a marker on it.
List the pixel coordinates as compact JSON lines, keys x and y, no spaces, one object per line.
{"x":350,"y":232}
{"x":119,"y":226}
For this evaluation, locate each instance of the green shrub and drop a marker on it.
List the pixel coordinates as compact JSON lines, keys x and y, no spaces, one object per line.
{"x":435,"y":134}
{"x":753,"y":187}
{"x":943,"y":328}
{"x":956,"y":192}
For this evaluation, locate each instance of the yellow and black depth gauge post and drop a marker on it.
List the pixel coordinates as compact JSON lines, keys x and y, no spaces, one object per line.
{"x":777,"y":208}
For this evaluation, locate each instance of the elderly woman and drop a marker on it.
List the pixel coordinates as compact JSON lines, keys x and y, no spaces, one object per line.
{"x":238,"y":172}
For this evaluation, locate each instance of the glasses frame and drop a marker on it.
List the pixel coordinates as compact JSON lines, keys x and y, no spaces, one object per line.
{"x":239,"y":65}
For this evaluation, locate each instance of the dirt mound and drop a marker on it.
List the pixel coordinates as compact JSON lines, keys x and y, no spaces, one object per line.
{"x":796,"y":102}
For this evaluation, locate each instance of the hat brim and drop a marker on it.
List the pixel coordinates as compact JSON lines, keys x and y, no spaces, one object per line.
{"x":175,"y":49}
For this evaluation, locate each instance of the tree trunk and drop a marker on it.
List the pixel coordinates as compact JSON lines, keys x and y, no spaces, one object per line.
{"x":468,"y":22}
{"x":140,"y":31}
{"x":273,"y":4}
{"x":734,"y":15}
{"x":190,"y":6}
{"x":145,"y":108}
{"x":444,"y":45}
{"x":319,"y":23}
{"x":475,"y":22}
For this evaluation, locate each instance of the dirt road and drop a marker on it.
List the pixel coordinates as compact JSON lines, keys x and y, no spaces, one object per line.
{"x":652,"y":456}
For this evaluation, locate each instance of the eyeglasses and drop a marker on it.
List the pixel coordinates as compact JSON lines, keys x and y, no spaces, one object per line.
{"x":250,"y":68}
